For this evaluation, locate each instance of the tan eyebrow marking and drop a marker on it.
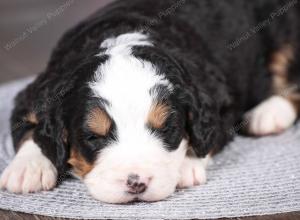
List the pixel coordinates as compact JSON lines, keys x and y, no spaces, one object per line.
{"x":99,"y":122}
{"x":158,"y":115}
{"x":80,"y":165}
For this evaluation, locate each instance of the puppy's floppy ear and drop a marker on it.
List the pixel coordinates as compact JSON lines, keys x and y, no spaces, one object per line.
{"x":206,"y":104}
{"x":203,"y":124}
{"x":51,"y":136}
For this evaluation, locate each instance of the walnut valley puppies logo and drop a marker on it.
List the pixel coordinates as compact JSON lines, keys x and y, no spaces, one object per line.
{"x":163,"y":14}
{"x":38,"y":25}
{"x":238,"y":127}
{"x":262,"y":25}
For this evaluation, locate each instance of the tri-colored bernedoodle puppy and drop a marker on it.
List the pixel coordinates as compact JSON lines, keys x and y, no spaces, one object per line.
{"x":136,"y":98}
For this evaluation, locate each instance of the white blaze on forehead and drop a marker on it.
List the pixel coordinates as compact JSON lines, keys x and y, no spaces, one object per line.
{"x":124,"y":42}
{"x":126,"y":81}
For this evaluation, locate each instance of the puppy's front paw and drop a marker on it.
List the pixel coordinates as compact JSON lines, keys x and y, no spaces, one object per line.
{"x":272,"y":116}
{"x":30,"y":171}
{"x":193,"y":172}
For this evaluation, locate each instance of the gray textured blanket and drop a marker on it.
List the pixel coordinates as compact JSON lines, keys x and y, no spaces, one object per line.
{"x":251,"y":177}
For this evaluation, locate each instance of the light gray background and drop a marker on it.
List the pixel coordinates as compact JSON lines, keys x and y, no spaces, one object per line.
{"x":31,"y":54}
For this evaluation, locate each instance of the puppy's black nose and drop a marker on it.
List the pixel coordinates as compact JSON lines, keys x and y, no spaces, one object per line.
{"x":135,"y":185}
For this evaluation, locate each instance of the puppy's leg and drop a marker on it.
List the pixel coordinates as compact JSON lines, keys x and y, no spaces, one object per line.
{"x":193,"y":171}
{"x":30,"y":171}
{"x":280,"y":111}
{"x":274,"y":115}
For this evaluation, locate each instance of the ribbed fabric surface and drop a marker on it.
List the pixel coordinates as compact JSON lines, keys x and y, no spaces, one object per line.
{"x":250,"y":177}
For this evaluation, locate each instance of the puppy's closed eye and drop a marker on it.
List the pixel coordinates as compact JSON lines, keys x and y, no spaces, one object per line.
{"x":99,"y":122}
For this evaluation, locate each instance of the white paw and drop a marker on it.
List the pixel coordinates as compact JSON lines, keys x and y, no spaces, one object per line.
{"x":30,"y":171}
{"x":272,"y":116}
{"x":193,"y":172}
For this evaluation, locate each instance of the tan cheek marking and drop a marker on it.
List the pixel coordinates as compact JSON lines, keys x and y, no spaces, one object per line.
{"x":158,"y":115}
{"x":31,"y":118}
{"x":80,"y":166}
{"x":99,"y":122}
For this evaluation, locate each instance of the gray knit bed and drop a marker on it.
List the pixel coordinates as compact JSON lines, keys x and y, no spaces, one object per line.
{"x":251,"y":177}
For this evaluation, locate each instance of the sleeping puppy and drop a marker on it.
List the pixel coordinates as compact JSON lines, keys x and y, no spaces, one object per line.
{"x":138,"y":97}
